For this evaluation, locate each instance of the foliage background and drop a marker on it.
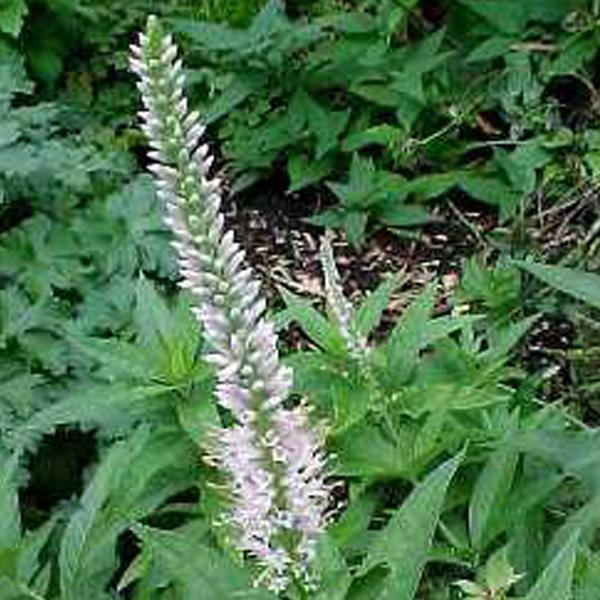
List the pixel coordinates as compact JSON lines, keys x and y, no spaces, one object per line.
{"x":384,"y":119}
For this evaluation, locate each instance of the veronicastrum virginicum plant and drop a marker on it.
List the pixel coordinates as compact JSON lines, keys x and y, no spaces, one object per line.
{"x":272,"y":459}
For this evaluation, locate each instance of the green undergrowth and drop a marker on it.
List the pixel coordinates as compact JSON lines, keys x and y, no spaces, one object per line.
{"x":461,"y":469}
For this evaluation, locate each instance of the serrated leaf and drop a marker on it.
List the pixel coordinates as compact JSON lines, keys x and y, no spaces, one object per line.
{"x":371,"y":310}
{"x":407,"y":337}
{"x":234,"y":94}
{"x":378,"y":135}
{"x":128,"y":484}
{"x":304,"y":172}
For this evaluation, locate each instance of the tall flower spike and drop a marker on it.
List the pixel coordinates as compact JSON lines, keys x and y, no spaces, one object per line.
{"x":272,"y":458}
{"x":337,"y":303}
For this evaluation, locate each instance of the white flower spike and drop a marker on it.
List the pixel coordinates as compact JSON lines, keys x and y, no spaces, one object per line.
{"x":272,"y":458}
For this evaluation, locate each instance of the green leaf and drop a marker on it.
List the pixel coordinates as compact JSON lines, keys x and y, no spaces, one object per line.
{"x":490,"y":48}
{"x":371,"y":310}
{"x":403,"y":545}
{"x":379,"y":135}
{"x":555,"y":583}
{"x":12,"y":15}
{"x":584,"y":521}
{"x":10,"y":517}
{"x":573,"y":54}
{"x":212,"y":36}
{"x":408,"y":336}
{"x":198,"y":570}
{"x":396,"y":214}
{"x":315,"y":325}
{"x":504,"y":15}
{"x":303,"y":171}
{"x":436,"y":184}
{"x":371,"y":451}
{"x":355,"y":223}
{"x":134,"y":478}
{"x":491,"y":191}
{"x":490,"y":491}
{"x":579,"y":284}
{"x":234,"y":94}
{"x":354,"y":521}
{"x":331,"y":571}
{"x":325,"y":125}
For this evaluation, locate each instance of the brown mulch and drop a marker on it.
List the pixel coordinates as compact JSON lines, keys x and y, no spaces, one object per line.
{"x":284,"y":248}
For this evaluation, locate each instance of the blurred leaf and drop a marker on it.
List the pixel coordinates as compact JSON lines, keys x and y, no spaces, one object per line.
{"x":12,"y":14}
{"x":579,"y":284}
{"x":555,"y":583}
{"x":10,"y":522}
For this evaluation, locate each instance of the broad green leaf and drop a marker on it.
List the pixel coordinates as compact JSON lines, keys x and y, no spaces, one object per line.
{"x":556,"y":582}
{"x":430,"y":186}
{"x":355,"y":223}
{"x":354,"y":522}
{"x":506,"y":338}
{"x":77,"y":538}
{"x":325,"y":125}
{"x":371,"y":451}
{"x":397,"y":214}
{"x":577,"y":453}
{"x":111,"y":405}
{"x":573,"y":54}
{"x":580,"y":284}
{"x":403,"y":545}
{"x":31,"y":551}
{"x":491,"y":191}
{"x":212,"y":36}
{"x":198,"y":414}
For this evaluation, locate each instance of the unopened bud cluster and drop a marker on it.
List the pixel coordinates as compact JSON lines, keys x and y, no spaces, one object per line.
{"x":271,"y":457}
{"x":338,"y":305}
